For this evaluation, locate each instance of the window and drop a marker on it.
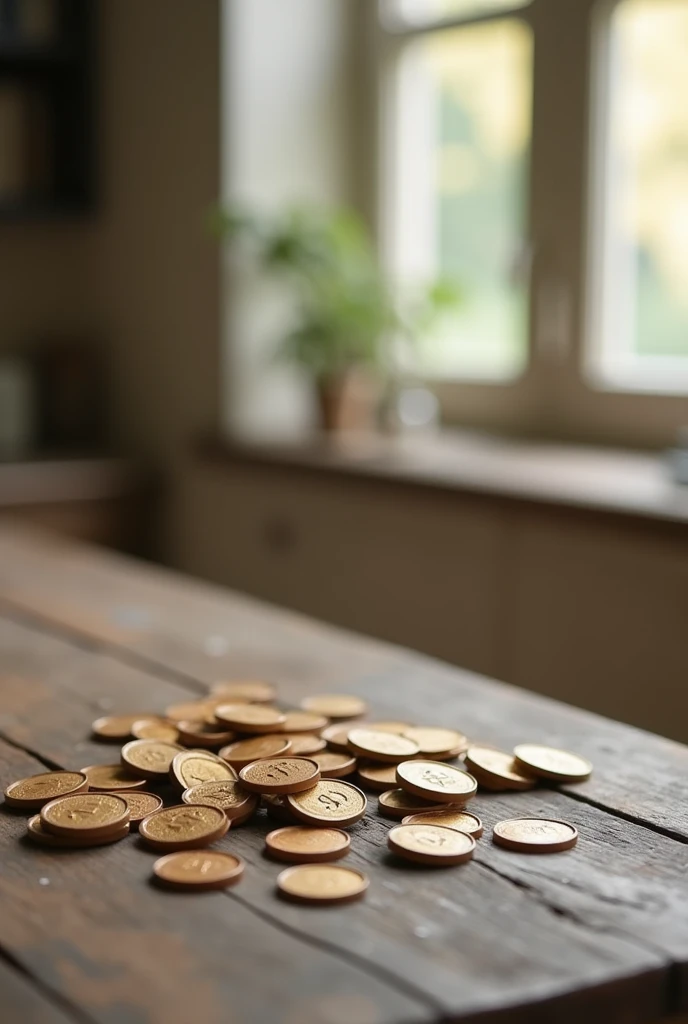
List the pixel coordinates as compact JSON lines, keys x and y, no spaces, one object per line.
{"x":538,"y":154}
{"x":639,"y":336}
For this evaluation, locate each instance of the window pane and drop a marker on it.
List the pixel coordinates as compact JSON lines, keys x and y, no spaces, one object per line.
{"x":463,"y":131}
{"x":423,"y":12}
{"x":642,"y":325}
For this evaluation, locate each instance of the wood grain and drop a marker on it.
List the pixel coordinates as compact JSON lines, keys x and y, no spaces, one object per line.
{"x":197,"y":634}
{"x":23,"y":1000}
{"x":598,"y":932}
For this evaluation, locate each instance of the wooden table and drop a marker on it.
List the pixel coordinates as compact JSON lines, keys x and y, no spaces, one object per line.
{"x":596,"y":934}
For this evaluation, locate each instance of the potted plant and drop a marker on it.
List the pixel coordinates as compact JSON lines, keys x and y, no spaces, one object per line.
{"x":348,"y":319}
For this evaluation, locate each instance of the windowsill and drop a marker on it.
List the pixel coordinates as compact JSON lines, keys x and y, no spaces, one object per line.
{"x":599,"y":480}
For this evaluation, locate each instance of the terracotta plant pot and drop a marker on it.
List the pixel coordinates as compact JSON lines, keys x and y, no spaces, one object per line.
{"x":347,"y":401}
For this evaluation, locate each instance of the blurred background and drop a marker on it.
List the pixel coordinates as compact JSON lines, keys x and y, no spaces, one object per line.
{"x":378,"y":311}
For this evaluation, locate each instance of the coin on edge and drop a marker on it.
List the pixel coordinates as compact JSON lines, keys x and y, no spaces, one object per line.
{"x":441,"y":744}
{"x":335,"y":705}
{"x":85,"y":814}
{"x":535,"y":835}
{"x":154,"y":729}
{"x":496,"y":770}
{"x":280,"y":775}
{"x":244,"y":752}
{"x":198,"y":872}
{"x":150,"y":759}
{"x":184,"y":827}
{"x":302,"y":845}
{"x":436,"y":781}
{"x":115,"y":728}
{"x":333,"y":765}
{"x":379,"y":777}
{"x":192,"y":767}
{"x":250,"y":717}
{"x":108,"y":777}
{"x":228,"y":795}
{"x":552,"y":763}
{"x":140,"y":805}
{"x":322,"y":884}
{"x":32,"y":793}
{"x":397,"y":803}
{"x":382,"y":746}
{"x":462,"y":821}
{"x":39,"y":834}
{"x":433,"y":845}
{"x":330,"y":802}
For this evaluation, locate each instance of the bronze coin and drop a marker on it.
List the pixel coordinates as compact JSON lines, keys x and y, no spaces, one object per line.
{"x":237,"y":804}
{"x":39,"y":834}
{"x":184,"y":827}
{"x":322,"y":884}
{"x":150,"y":759}
{"x":461,"y":820}
{"x":432,"y":845}
{"x":378,"y":745}
{"x":496,"y":770}
{"x":333,"y":765}
{"x":192,"y":767}
{"x":140,"y":805}
{"x":32,"y":793}
{"x":337,"y":737}
{"x":535,"y":835}
{"x":203,"y":734}
{"x":397,"y":803}
{"x":85,"y":814}
{"x":198,"y":872}
{"x":246,"y":751}
{"x":330,"y":802}
{"x":250,"y":717}
{"x":280,"y":775}
{"x":303,"y":721}
{"x":302,"y":845}
{"x":437,"y":782}
{"x":109,"y":777}
{"x":304,"y":744}
{"x":552,"y":763}
{"x":115,"y":728}
{"x":154,"y":729}
{"x":376,"y":776}
{"x":439,"y":744}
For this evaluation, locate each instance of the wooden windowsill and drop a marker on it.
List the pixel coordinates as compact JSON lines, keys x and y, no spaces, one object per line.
{"x":630,"y":484}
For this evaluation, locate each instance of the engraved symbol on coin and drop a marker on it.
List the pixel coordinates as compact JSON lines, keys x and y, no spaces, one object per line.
{"x":178,"y":821}
{"x":278,"y":768}
{"x":330,"y":800}
{"x":436,"y":778}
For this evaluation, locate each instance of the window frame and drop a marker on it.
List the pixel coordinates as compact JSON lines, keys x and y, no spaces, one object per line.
{"x":556,"y":395}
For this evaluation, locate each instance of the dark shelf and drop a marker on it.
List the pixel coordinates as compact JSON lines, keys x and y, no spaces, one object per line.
{"x":29,"y":210}
{"x":18,"y":57}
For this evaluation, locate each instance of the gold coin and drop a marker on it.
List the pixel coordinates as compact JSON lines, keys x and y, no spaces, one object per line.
{"x":250,"y":717}
{"x":322,"y":884}
{"x":551,"y":763}
{"x":107,"y":777}
{"x":335,"y":705}
{"x":199,"y":872}
{"x":188,"y":710}
{"x":202,"y":734}
{"x":535,"y":835}
{"x":114,"y":727}
{"x":32,"y":793}
{"x":93,"y":814}
{"x":150,"y":759}
{"x":39,"y":834}
{"x":302,"y":845}
{"x":303,"y":721}
{"x":433,"y":780}
{"x":379,"y":777}
{"x":330,"y":802}
{"x":244,"y":752}
{"x":192,"y":767}
{"x":303,"y":744}
{"x":397,"y":803}
{"x":337,"y":737}
{"x":280,"y":775}
{"x":140,"y":805}
{"x":237,"y":804}
{"x":252,"y":691}
{"x":333,"y":765}
{"x":496,"y":770}
{"x":154,"y":729}
{"x":462,"y":821}
{"x":381,"y":746}
{"x":432,"y":845}
{"x":183,"y":827}
{"x":441,"y":744}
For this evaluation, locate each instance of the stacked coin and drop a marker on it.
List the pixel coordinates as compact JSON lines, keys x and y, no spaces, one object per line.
{"x":233,"y":751}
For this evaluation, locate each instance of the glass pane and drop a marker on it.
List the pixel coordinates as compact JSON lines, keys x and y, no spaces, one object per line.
{"x":642,"y":334}
{"x":424,"y":12}
{"x":462,"y":164}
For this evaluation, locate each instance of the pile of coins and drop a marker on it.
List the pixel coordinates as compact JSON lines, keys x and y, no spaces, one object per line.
{"x":228,"y":754}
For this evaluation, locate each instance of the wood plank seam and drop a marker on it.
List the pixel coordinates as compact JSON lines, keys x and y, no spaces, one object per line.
{"x":673,"y":968}
{"x":651,"y":826}
{"x":54,"y":997}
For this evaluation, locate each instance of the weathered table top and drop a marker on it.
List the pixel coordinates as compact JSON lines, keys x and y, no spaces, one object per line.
{"x":598,"y":933}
